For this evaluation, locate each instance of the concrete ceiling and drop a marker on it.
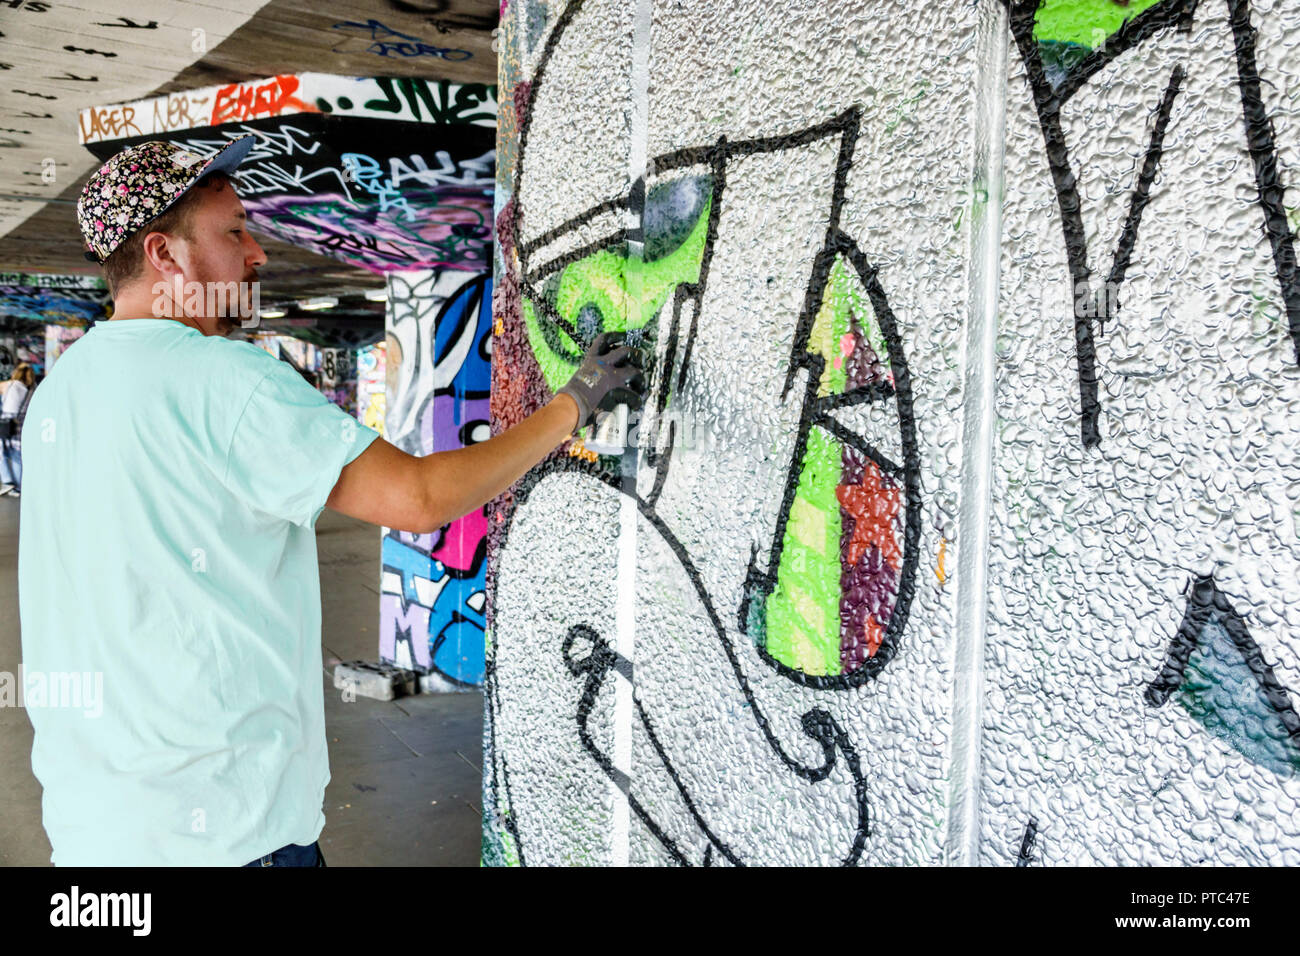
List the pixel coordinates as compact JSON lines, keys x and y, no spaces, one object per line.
{"x":59,"y":58}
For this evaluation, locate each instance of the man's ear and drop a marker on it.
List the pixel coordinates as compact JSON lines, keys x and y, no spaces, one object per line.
{"x":158,"y":252}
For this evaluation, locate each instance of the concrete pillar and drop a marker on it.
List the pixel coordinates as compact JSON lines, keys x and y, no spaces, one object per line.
{"x":962,"y":523}
{"x":433,"y":585}
{"x":372,"y":395}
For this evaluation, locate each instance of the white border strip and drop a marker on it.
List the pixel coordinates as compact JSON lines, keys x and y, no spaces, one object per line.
{"x":978,"y":394}
{"x":624,"y":691}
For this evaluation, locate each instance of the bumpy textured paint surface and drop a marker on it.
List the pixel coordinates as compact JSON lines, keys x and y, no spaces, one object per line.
{"x":437,"y":356}
{"x":1097,"y":551}
{"x":737,"y":643}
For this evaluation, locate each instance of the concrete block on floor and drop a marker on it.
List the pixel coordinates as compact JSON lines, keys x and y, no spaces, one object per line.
{"x":437,"y":684}
{"x":376,"y":679}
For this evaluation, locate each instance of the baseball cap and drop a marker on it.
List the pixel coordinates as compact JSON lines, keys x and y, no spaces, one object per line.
{"x":139,"y":184}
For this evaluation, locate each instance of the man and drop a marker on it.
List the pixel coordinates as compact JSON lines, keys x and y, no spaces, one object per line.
{"x":168,"y":586}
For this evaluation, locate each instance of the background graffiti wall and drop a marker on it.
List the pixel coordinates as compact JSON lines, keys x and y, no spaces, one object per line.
{"x":437,"y":355}
{"x":52,"y":298}
{"x":961,"y":524}
{"x":23,"y":344}
{"x":332,"y":372}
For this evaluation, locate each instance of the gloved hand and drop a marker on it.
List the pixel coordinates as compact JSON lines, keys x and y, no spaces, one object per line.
{"x":609,"y":375}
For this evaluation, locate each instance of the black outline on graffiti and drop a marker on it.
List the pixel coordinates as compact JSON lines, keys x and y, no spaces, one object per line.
{"x":1048,"y":102}
{"x":1025,"y":857}
{"x":1263,"y":152}
{"x":1205,"y":600}
{"x":817,"y":724}
{"x":815,"y":411}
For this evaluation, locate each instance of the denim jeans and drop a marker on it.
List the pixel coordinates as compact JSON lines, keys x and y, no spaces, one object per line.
{"x":292,"y":855}
{"x":11,"y":469}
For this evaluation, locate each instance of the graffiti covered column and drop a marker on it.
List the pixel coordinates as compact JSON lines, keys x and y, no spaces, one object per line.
{"x":796,"y":489}
{"x":1144,"y":579}
{"x":439,"y":342}
{"x":808,"y":255}
{"x":372,"y":395}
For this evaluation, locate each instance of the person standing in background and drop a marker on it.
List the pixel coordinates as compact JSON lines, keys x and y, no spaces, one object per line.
{"x":12,"y":405}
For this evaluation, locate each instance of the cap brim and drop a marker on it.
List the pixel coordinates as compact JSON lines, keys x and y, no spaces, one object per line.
{"x":228,"y":160}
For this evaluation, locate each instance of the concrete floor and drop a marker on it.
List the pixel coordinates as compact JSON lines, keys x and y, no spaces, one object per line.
{"x":405,"y":775}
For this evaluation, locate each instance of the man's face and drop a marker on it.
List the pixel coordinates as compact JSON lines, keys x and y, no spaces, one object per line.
{"x":219,"y":250}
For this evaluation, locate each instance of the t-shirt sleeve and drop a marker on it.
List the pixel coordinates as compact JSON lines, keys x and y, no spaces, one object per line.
{"x":289,"y":445}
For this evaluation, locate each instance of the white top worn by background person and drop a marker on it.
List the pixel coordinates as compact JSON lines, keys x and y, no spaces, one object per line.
{"x":13,"y":399}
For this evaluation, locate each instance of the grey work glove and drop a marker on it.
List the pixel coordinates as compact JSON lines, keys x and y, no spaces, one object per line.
{"x":609,"y":375}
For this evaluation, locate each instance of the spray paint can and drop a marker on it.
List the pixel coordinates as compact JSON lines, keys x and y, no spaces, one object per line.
{"x":609,"y":433}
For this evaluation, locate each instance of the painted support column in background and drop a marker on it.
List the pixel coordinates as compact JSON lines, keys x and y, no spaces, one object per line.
{"x":338,"y":378}
{"x":372,"y":397}
{"x":57,"y":340}
{"x":439,"y":342}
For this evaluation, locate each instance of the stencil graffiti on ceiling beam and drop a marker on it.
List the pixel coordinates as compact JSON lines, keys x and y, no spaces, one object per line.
{"x":1217,"y":673}
{"x":1063,"y":45}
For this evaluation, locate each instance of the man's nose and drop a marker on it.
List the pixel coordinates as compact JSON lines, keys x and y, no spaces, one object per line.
{"x":254,"y":257}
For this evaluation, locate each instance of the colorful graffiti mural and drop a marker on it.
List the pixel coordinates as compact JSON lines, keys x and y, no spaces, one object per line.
{"x":409,"y":99}
{"x":433,"y":604}
{"x":23,"y":345}
{"x":52,"y":298}
{"x":749,"y":640}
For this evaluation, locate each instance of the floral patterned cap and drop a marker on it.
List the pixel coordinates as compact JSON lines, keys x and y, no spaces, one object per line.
{"x":139,"y":184}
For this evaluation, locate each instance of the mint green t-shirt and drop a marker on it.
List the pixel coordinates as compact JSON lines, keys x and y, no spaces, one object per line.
{"x":167,"y":557}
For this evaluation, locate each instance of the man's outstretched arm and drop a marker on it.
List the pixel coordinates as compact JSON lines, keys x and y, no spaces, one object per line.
{"x":386,"y":486}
